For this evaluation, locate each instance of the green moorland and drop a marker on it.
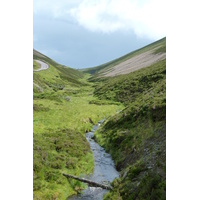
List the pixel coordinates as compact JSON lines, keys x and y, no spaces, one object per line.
{"x":64,"y":108}
{"x":136,"y":136}
{"x":36,"y":65}
{"x":67,"y":102}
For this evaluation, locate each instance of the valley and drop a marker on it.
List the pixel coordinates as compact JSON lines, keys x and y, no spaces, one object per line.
{"x":130,"y":93}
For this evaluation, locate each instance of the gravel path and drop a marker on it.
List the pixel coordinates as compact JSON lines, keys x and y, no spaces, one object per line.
{"x":43,"y":66}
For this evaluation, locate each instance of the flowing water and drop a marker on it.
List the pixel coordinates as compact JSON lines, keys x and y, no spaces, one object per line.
{"x":104,"y":170}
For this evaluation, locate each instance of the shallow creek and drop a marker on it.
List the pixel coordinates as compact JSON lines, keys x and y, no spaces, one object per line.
{"x":104,"y":170}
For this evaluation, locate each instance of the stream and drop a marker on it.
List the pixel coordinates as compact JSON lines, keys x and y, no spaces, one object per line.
{"x":104,"y":170}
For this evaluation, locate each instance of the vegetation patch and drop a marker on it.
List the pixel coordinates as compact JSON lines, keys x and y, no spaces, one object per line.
{"x":39,"y":107}
{"x":57,"y":151}
{"x":161,"y":49}
{"x":66,"y":105}
{"x":103,"y":102}
{"x":136,"y":136}
{"x":126,"y":88}
{"x":36,"y":65}
{"x":62,"y":113}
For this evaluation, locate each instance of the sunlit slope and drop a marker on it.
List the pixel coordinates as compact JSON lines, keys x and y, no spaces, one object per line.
{"x":62,"y":112}
{"x":56,"y":76}
{"x":133,"y":61}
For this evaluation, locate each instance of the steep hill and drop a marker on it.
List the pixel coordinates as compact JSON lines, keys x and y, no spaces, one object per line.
{"x":136,"y":136}
{"x":133,"y":61}
{"x":56,"y":76}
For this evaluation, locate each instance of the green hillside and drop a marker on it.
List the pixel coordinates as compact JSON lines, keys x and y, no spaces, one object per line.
{"x":56,"y":76}
{"x":62,"y":113}
{"x":136,"y":136}
{"x":66,"y":104}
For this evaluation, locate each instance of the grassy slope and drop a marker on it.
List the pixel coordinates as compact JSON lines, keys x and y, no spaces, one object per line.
{"x":135,"y":137}
{"x":36,"y":65}
{"x":97,"y":71}
{"x":63,"y":112}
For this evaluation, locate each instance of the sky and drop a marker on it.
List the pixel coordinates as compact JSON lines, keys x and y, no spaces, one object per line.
{"x":87,"y":33}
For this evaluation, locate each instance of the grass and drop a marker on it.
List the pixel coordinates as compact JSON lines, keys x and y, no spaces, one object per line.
{"x":63,"y":112}
{"x":135,"y":137}
{"x":80,"y":111}
{"x":60,"y":145}
{"x":58,"y":151}
{"x":66,"y":105}
{"x":126,"y":88}
{"x":36,"y":65}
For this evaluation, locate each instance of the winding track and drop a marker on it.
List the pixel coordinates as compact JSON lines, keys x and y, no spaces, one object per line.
{"x":43,"y":66}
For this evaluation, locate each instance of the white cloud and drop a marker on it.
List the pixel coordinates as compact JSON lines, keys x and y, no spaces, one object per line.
{"x":146,"y":18}
{"x":54,"y":8}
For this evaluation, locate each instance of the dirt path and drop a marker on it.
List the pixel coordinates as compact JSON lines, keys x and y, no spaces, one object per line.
{"x":137,"y":62}
{"x":43,"y":66}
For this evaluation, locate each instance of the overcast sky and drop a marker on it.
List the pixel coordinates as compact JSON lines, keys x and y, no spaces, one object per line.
{"x":87,"y":33}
